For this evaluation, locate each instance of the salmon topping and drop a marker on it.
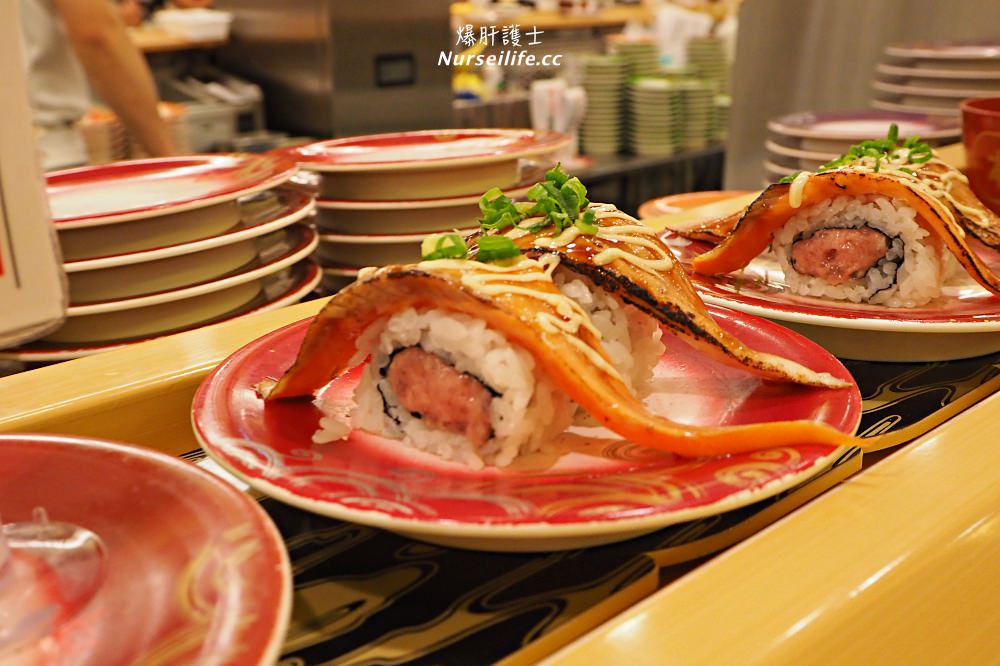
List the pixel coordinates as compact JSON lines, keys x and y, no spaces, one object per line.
{"x":446,"y":399}
{"x":839,"y":255}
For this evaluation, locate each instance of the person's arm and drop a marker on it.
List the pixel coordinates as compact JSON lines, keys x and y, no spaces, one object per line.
{"x":116,"y":69}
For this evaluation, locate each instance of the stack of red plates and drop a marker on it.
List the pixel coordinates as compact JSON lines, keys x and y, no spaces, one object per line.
{"x":157,"y":246}
{"x":380,"y":195}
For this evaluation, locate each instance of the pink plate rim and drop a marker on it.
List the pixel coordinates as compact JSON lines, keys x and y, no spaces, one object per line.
{"x":799,"y":124}
{"x":525,"y":143}
{"x":374,"y":239}
{"x":216,"y":430}
{"x":944,"y":113}
{"x":43,"y":352}
{"x":254,"y":173}
{"x":297,"y":205}
{"x":266,"y":527}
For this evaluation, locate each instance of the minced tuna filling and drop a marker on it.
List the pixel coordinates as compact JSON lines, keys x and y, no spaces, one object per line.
{"x":839,"y":255}
{"x":445,"y":398}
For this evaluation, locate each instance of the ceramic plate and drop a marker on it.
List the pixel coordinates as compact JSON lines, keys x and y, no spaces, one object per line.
{"x":189,"y":569}
{"x":860,"y":125}
{"x":912,"y":89}
{"x":964,"y":322}
{"x":592,"y":488}
{"x":123,"y":191}
{"x":675,"y":203}
{"x":946,"y":50}
{"x":947,"y":112}
{"x":290,"y":206}
{"x":797,"y":153}
{"x":931,"y":73}
{"x":296,"y":244}
{"x":286,"y":288}
{"x":429,"y":149}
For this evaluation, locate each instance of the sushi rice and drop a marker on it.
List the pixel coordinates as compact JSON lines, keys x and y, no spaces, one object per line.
{"x":909,"y":275}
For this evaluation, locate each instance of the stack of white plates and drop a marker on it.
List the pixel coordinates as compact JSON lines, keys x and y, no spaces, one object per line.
{"x":698,"y":104}
{"x":655,"y":116}
{"x":805,"y":140}
{"x":641,"y":54}
{"x":707,"y":56}
{"x":933,"y":78}
{"x":720,"y":120}
{"x":152,"y":247}
{"x":380,"y":195}
{"x":604,"y":80}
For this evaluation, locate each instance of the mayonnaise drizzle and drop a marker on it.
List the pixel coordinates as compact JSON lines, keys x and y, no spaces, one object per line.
{"x":932,"y":185}
{"x":494,"y":280}
{"x":626,"y":234}
{"x":795,"y":191}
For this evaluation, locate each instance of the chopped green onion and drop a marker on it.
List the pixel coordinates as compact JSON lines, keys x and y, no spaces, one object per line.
{"x":492,"y":248}
{"x":789,"y":178}
{"x":559,"y":200}
{"x":443,"y":246}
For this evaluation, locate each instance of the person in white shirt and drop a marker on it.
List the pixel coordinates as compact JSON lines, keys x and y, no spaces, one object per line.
{"x":69,"y":43}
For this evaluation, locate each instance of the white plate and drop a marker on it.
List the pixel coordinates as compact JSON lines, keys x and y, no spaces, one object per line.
{"x":937,"y":73}
{"x":787,"y":151}
{"x":951,"y":111}
{"x":911,"y":89}
{"x":945,"y":51}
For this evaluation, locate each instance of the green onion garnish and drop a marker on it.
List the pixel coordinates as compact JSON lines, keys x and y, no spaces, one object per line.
{"x":443,"y":246}
{"x":559,"y":200}
{"x":785,"y":180}
{"x":884,"y":150}
{"x":492,"y":248}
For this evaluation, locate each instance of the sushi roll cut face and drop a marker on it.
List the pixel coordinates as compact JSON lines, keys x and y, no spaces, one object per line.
{"x":883,"y":225}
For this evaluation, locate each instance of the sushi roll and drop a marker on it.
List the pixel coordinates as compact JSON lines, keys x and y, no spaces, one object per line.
{"x":482,"y":362}
{"x":624,"y":276}
{"x":885,"y":225}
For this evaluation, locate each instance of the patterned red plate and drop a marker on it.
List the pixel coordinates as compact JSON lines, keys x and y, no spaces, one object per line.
{"x":426,"y":149}
{"x":137,"y":189}
{"x":595,"y":488}
{"x":192,"y":572}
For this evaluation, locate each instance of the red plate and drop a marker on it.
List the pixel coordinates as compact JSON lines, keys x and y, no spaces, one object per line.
{"x":124,"y":191}
{"x":425,"y":149}
{"x":598,"y":488}
{"x":195,"y":572}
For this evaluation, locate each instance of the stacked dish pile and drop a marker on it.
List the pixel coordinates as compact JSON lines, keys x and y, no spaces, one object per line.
{"x":720,"y":119}
{"x":805,"y":140}
{"x":105,"y":138}
{"x":380,"y":195}
{"x":641,"y":54}
{"x":656,"y":116}
{"x":707,"y":56}
{"x":604,"y":80}
{"x":157,"y":246}
{"x":698,"y":109}
{"x":933,"y":78}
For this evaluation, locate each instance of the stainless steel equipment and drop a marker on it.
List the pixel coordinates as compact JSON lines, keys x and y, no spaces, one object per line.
{"x":344,"y":67}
